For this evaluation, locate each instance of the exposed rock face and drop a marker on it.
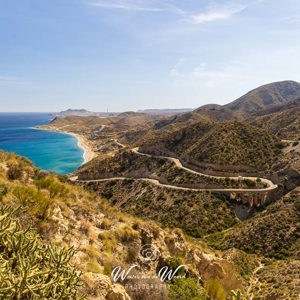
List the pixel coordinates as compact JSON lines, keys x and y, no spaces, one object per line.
{"x":97,"y":285}
{"x":176,"y":245}
{"x":100,"y":287}
{"x":210,"y":267}
{"x":117,"y":292}
{"x":287,"y":173}
{"x":254,"y":199}
{"x":200,"y":264}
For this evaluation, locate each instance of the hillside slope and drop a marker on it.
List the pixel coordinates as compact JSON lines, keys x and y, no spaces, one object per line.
{"x":284,"y":123}
{"x":266,"y":96}
{"x":274,"y":234}
{"x":263,"y":236}
{"x":90,"y":124}
{"x":227,"y":143}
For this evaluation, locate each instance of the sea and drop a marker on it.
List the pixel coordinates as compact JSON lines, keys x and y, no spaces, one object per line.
{"x":51,"y":151}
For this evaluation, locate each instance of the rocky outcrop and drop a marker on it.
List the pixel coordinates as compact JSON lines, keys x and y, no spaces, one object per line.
{"x":117,"y":292}
{"x":100,"y":287}
{"x":67,"y":226}
{"x":251,"y":199}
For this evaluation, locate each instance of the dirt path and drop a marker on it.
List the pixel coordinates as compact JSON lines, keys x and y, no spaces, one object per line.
{"x":177,"y":162}
{"x":169,"y":186}
{"x":253,"y":281}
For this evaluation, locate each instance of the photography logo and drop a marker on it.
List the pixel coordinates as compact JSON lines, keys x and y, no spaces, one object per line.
{"x":149,"y":253}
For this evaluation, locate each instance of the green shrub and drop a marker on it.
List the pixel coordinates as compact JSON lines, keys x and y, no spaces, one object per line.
{"x":53,"y":185}
{"x":37,"y":202}
{"x":107,"y":270}
{"x":105,"y":224}
{"x":161,"y":197}
{"x":194,"y":231}
{"x":249,"y":183}
{"x":126,"y":234}
{"x":215,"y":291}
{"x":173,"y":263}
{"x":186,"y":289}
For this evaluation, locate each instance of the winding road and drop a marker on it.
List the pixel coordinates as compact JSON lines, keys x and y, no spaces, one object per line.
{"x":177,"y":162}
{"x":270,"y":185}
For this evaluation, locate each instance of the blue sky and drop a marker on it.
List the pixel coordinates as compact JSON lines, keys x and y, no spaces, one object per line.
{"x":135,"y":54}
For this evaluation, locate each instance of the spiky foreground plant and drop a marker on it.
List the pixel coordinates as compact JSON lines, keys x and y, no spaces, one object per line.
{"x":28,"y":268}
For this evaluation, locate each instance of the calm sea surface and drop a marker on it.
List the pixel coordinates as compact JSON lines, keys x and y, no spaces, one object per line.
{"x":51,"y":151}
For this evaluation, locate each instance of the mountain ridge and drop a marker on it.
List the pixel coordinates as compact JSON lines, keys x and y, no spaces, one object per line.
{"x":266,"y":96}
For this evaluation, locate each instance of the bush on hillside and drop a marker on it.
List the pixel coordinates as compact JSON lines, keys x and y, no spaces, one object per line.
{"x":14,"y":172}
{"x":53,"y":185}
{"x":186,"y":289}
{"x":37,"y":201}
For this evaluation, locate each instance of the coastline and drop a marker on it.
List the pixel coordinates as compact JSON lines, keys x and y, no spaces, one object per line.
{"x":88,"y":153}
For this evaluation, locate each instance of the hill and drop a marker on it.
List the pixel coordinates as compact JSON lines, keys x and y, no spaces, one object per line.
{"x":227,"y":143}
{"x":266,"y":96}
{"x":77,"y":123}
{"x":281,"y":120}
{"x":174,"y":123}
{"x":165,"y":111}
{"x":199,"y":115}
{"x":134,"y":126}
{"x":118,"y":122}
{"x":80,"y":113}
{"x":253,"y":103}
{"x":128,"y":164}
{"x":263,"y":236}
{"x":295,"y":103}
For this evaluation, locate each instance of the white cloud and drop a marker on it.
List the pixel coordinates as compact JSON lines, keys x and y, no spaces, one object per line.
{"x":125,"y":5}
{"x":216,"y":13}
{"x":213,"y":78}
{"x":210,"y":14}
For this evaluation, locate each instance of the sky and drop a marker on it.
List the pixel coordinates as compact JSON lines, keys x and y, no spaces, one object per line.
{"x":125,"y":55}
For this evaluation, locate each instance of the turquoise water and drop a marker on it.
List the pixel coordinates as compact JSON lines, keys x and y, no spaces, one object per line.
{"x":52,"y":151}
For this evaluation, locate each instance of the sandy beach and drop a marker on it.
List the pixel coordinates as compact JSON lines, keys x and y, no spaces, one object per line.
{"x":88,"y":153}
